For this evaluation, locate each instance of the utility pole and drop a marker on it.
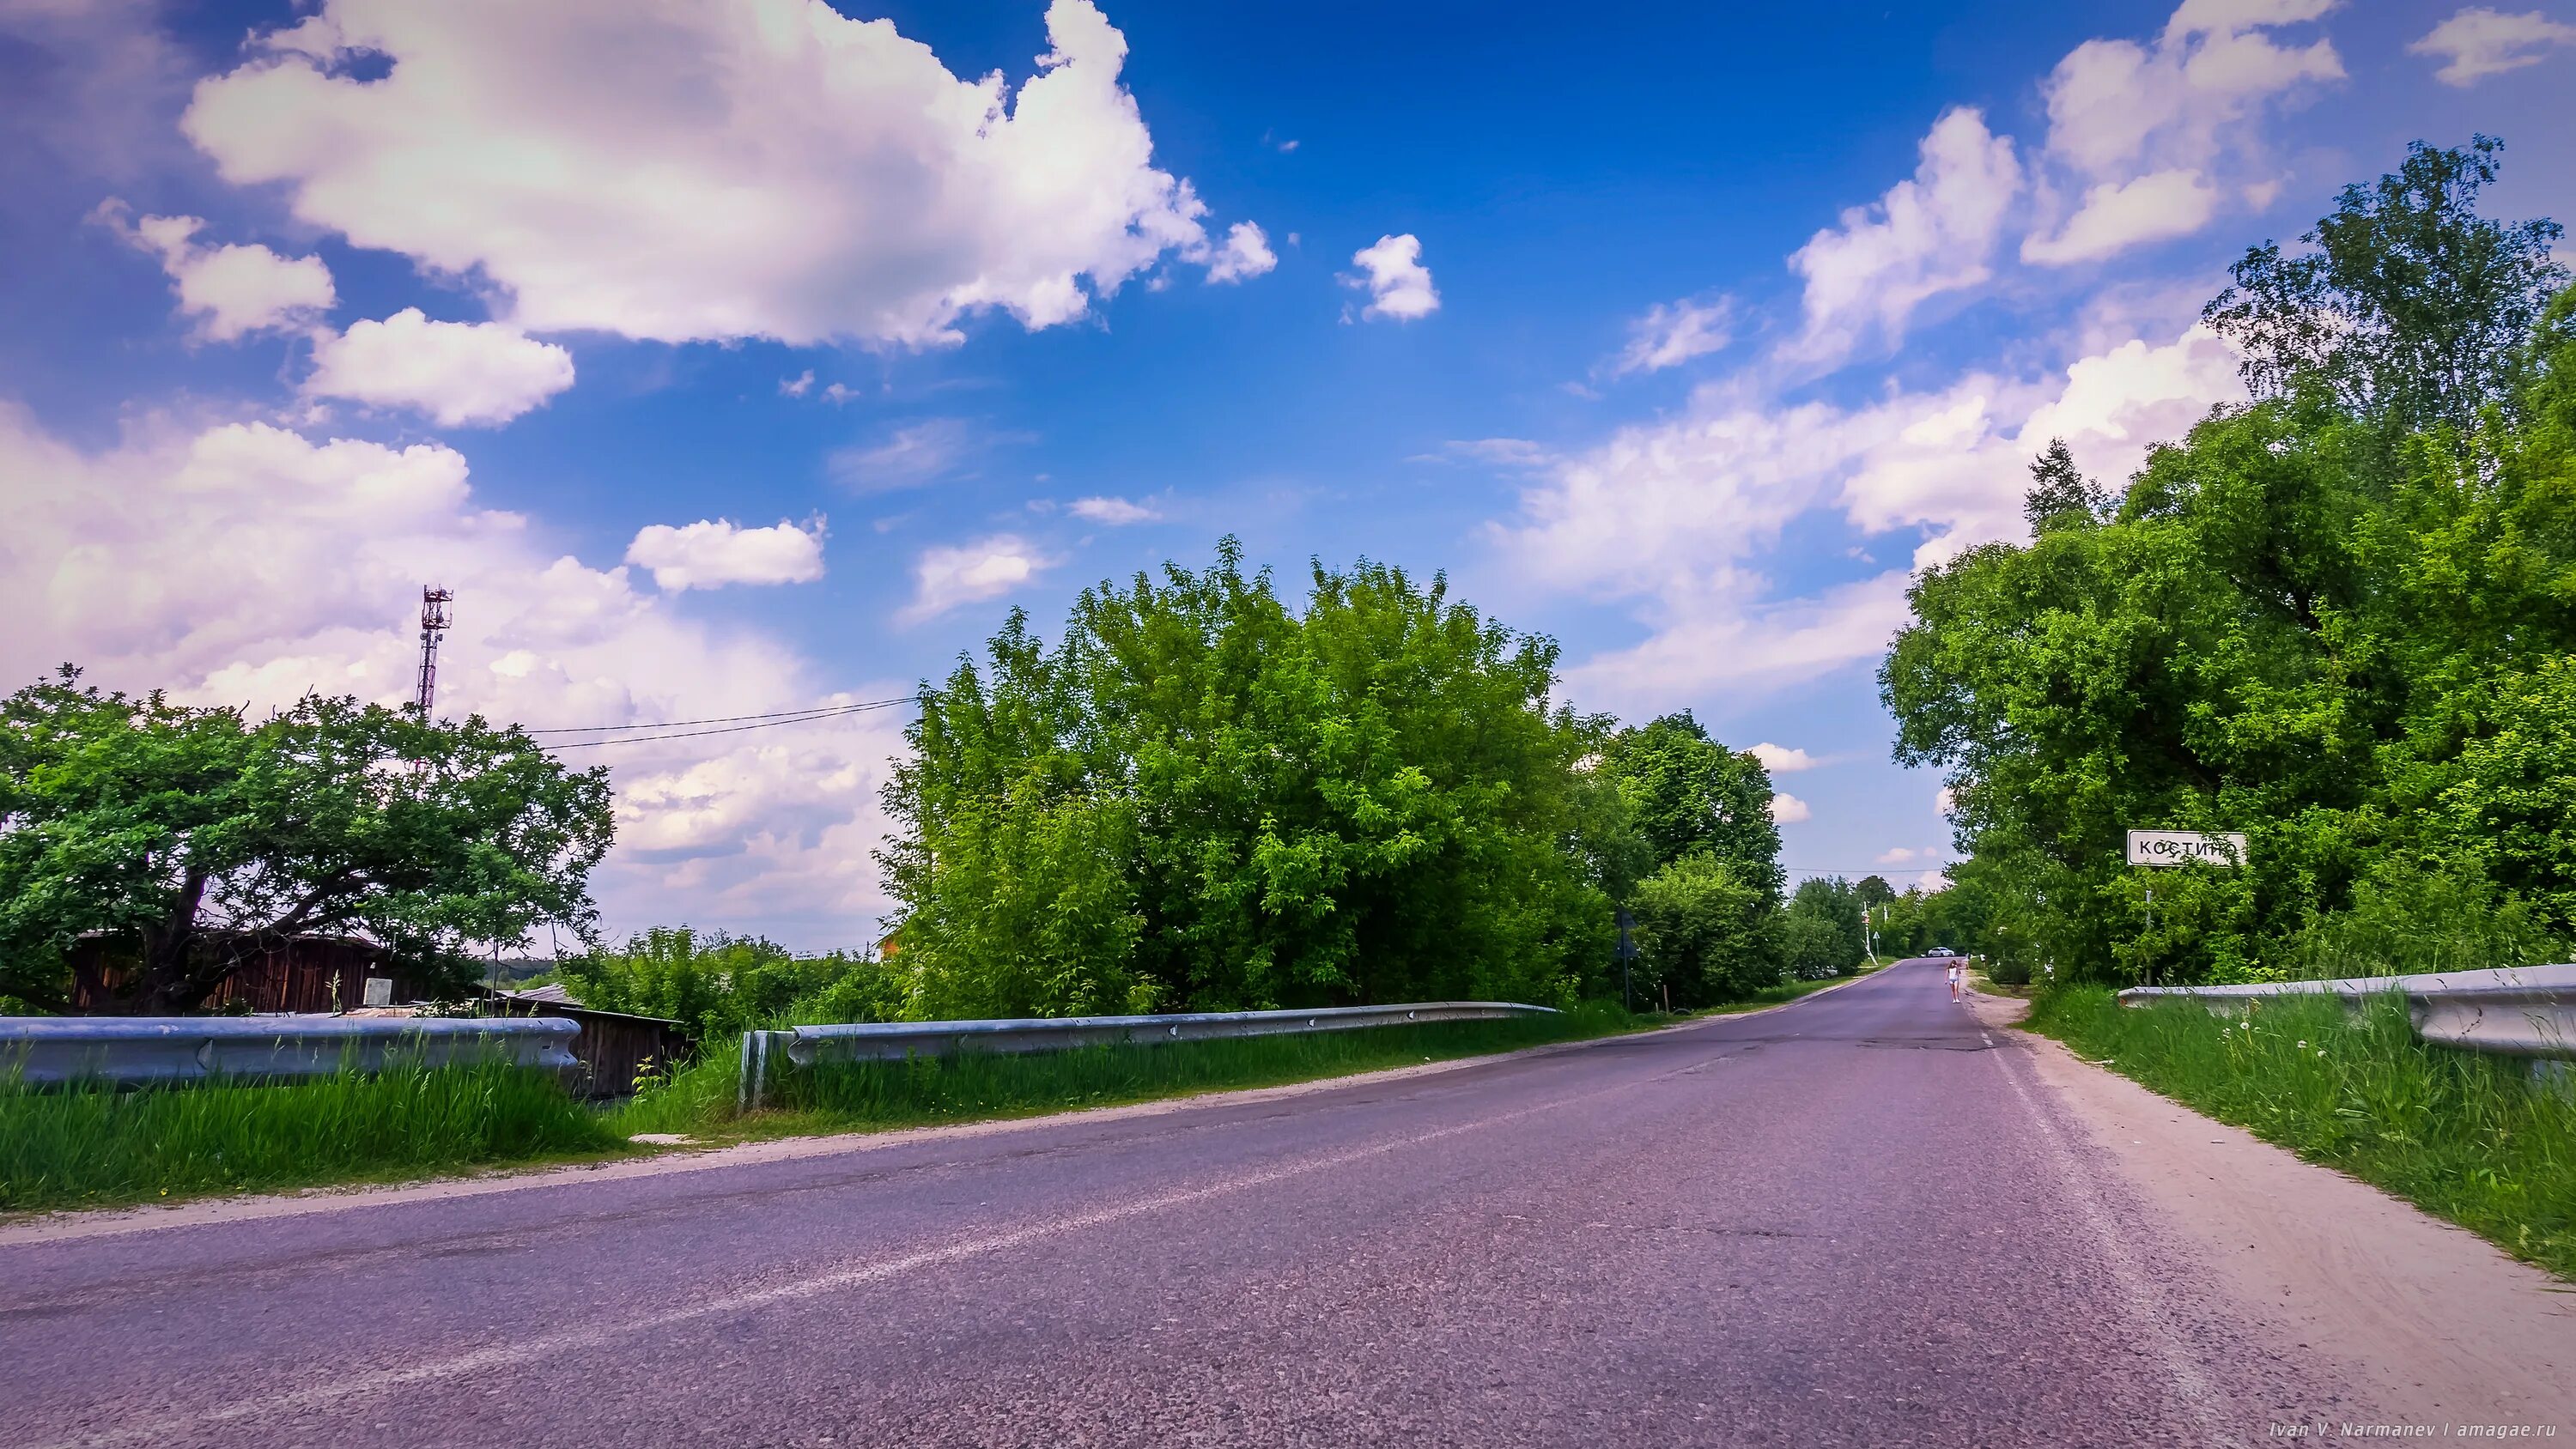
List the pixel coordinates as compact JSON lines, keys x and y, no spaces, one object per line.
{"x":1627,"y":954}
{"x":433,"y":622}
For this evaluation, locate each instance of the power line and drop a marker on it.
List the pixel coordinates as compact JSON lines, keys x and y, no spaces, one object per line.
{"x":763,"y":723}
{"x":1869,"y":870}
{"x":784,"y":716}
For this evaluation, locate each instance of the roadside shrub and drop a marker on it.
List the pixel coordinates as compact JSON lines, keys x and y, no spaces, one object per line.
{"x":1705,"y":932}
{"x":721,"y":985}
{"x":2009,"y":971}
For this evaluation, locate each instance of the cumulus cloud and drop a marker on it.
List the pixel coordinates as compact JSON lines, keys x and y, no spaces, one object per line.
{"x":1245,"y":253}
{"x":2479,"y":42}
{"x":947,"y":577}
{"x":1899,"y":855}
{"x":1780,"y":759}
{"x":231,"y":290}
{"x":1677,"y":513}
{"x":711,"y":553}
{"x":1113,"y":511}
{"x":2117,"y":215}
{"x":797,"y":386}
{"x":246,"y":564}
{"x":1928,"y":235}
{"x":1391,"y":272}
{"x":2149,"y":131}
{"x":1672,"y":333}
{"x":772,"y":170}
{"x":1789,"y":810}
{"x":460,"y":373}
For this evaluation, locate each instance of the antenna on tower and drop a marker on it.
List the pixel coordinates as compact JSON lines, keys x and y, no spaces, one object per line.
{"x":433,"y":622}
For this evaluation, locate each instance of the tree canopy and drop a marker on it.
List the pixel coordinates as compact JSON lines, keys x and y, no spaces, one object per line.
{"x":196,"y":831}
{"x":1201,"y":798}
{"x":2337,"y":619}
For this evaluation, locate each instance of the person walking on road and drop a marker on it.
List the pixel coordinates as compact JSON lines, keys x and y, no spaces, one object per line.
{"x":1957,"y":980}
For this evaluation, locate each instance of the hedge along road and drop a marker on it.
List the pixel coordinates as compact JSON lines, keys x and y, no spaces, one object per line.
{"x":1866,"y":1217}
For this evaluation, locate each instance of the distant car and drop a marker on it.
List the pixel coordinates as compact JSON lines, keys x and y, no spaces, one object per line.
{"x":1940,"y":951}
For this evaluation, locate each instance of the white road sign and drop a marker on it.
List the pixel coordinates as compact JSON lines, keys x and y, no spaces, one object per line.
{"x":2182,"y":847}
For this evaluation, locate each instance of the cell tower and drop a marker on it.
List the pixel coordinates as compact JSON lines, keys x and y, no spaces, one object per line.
{"x":433,"y":622}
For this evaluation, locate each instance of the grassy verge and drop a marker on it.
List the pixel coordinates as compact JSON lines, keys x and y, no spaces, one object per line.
{"x":980,"y":1086}
{"x":98,"y":1147}
{"x":2469,"y":1137}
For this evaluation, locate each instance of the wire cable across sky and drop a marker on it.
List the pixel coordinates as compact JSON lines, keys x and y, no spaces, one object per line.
{"x":631,"y":734}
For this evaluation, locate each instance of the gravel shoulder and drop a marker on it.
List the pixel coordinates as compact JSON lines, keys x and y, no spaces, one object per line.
{"x":2430,"y":1323}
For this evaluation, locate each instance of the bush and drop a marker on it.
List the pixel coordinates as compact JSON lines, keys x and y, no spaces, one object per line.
{"x":1813,"y":948}
{"x":721,"y":985}
{"x":2009,"y":971}
{"x":1705,"y":932}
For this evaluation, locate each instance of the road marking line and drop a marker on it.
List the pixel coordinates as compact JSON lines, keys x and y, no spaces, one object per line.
{"x":515,"y":1353}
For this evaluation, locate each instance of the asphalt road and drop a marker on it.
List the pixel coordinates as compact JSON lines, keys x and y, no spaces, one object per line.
{"x":1856,"y":1220}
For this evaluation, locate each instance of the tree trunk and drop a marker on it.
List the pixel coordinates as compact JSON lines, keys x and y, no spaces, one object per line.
{"x":172,"y":979}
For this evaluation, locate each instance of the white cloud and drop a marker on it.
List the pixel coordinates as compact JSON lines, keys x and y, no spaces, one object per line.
{"x":1789,"y":810}
{"x":797,"y":386}
{"x":740,"y":170}
{"x":913,"y":455}
{"x":945,"y":577}
{"x":1246,"y":253}
{"x":1928,"y":235}
{"x":1677,"y":513}
{"x":245,"y":564}
{"x":2155,"y":134}
{"x":1399,"y":286}
{"x":231,"y":290}
{"x":2117,"y":215}
{"x":1780,"y":759}
{"x":1672,"y":333}
{"x":1899,"y":855}
{"x":460,"y":373}
{"x":1112,"y":511}
{"x":711,"y":553}
{"x":2479,"y":42}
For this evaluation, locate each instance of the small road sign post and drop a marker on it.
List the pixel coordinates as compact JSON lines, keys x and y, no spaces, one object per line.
{"x":1627,"y":954}
{"x":2167,"y":848}
{"x":2185,"y":847}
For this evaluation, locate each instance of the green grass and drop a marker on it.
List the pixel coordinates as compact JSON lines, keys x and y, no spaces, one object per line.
{"x":92,"y":1146}
{"x":97,"y":1147}
{"x":2470,"y":1137}
{"x":983,"y":1085}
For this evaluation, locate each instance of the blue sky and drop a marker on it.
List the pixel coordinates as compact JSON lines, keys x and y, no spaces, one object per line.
{"x":759,"y":359}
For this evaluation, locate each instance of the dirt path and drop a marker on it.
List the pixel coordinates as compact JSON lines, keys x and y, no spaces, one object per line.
{"x":2432,"y":1323}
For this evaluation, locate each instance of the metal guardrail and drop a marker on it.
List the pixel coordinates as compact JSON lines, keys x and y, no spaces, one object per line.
{"x":2524,"y":1011}
{"x":134,"y":1050}
{"x":806,"y":1046}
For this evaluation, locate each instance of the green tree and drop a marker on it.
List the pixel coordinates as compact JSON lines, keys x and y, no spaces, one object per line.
{"x":197,"y":833}
{"x":2304,"y":622}
{"x":1201,"y":799}
{"x":1705,"y":934}
{"x":1687,"y":793}
{"x":2060,"y":495}
{"x":2411,"y":307}
{"x":1823,"y":935}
